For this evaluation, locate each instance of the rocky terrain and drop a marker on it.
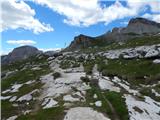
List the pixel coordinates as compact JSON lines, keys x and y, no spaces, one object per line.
{"x":137,"y":27}
{"x":119,"y":81}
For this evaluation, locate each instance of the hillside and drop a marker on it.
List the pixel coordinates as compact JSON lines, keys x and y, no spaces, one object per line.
{"x":117,"y":80}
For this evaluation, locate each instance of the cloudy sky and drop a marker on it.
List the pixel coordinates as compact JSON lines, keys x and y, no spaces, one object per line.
{"x":53,"y":24}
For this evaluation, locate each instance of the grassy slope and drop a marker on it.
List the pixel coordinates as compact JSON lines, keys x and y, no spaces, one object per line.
{"x":25,"y":75}
{"x":140,"y":41}
{"x":133,"y":70}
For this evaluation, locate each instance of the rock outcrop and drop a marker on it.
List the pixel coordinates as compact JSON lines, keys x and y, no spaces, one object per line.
{"x":81,"y":41}
{"x":137,"y":27}
{"x":19,"y":53}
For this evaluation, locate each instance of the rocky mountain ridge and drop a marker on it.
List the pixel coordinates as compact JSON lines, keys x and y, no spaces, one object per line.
{"x":137,"y":27}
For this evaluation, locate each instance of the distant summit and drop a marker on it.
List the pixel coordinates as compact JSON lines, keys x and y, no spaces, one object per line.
{"x":19,"y":53}
{"x":137,"y":27}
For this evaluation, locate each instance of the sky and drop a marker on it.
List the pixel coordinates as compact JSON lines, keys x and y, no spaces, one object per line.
{"x":53,"y":24}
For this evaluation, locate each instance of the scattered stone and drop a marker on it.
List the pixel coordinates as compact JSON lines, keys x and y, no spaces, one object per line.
{"x":84,"y":113}
{"x":13,"y":99}
{"x":98,"y":103}
{"x":12,"y":118}
{"x":49,"y":102}
{"x":156,"y":61}
{"x":95,"y":96}
{"x":70,"y":98}
{"x":4,"y":97}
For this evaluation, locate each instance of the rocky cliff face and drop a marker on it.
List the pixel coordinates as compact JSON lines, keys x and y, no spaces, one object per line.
{"x":137,"y":27}
{"x":142,"y":26}
{"x":81,"y":41}
{"x":19,"y":53}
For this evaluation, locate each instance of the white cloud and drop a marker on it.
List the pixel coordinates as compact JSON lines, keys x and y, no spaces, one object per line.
{"x":17,"y":14}
{"x":90,"y":12}
{"x":154,"y":17}
{"x":21,"y":42}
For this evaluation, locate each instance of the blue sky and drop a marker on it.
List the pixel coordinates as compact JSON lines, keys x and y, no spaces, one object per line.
{"x":51,"y":25}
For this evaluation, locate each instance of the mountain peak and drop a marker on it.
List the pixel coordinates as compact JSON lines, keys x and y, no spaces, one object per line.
{"x":144,"y":21}
{"x":20,"y":53}
{"x":80,"y":41}
{"x":137,"y":27}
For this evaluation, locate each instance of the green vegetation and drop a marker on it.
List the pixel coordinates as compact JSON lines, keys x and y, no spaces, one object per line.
{"x":118,"y":102}
{"x":85,"y":79}
{"x":157,"y":88}
{"x":116,"y":99}
{"x":138,"y":41}
{"x":24,"y":75}
{"x":69,"y":63}
{"x":25,"y":89}
{"x":65,"y":64}
{"x":89,"y":99}
{"x":56,"y":113}
{"x":146,"y":91}
{"x":20,"y":64}
{"x":88,"y":66}
{"x":133,"y":70}
{"x":8,"y":109}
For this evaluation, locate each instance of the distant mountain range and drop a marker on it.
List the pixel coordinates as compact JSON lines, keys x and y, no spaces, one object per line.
{"x":137,"y":27}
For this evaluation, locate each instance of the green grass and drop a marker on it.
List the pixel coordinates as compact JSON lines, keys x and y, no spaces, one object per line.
{"x":157,"y":88}
{"x":133,"y":70}
{"x":69,"y":63}
{"x":88,"y":66}
{"x":89,"y":99}
{"x":116,"y":99}
{"x":7,"y":110}
{"x":56,"y":113}
{"x":20,"y":64}
{"x":118,"y":103}
{"x":65,"y":64}
{"x":25,"y":89}
{"x":146,"y":91}
{"x":139,"y":41}
{"x":23,"y":76}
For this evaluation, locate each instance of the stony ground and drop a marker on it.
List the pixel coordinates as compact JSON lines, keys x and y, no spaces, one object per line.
{"x":76,"y":86}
